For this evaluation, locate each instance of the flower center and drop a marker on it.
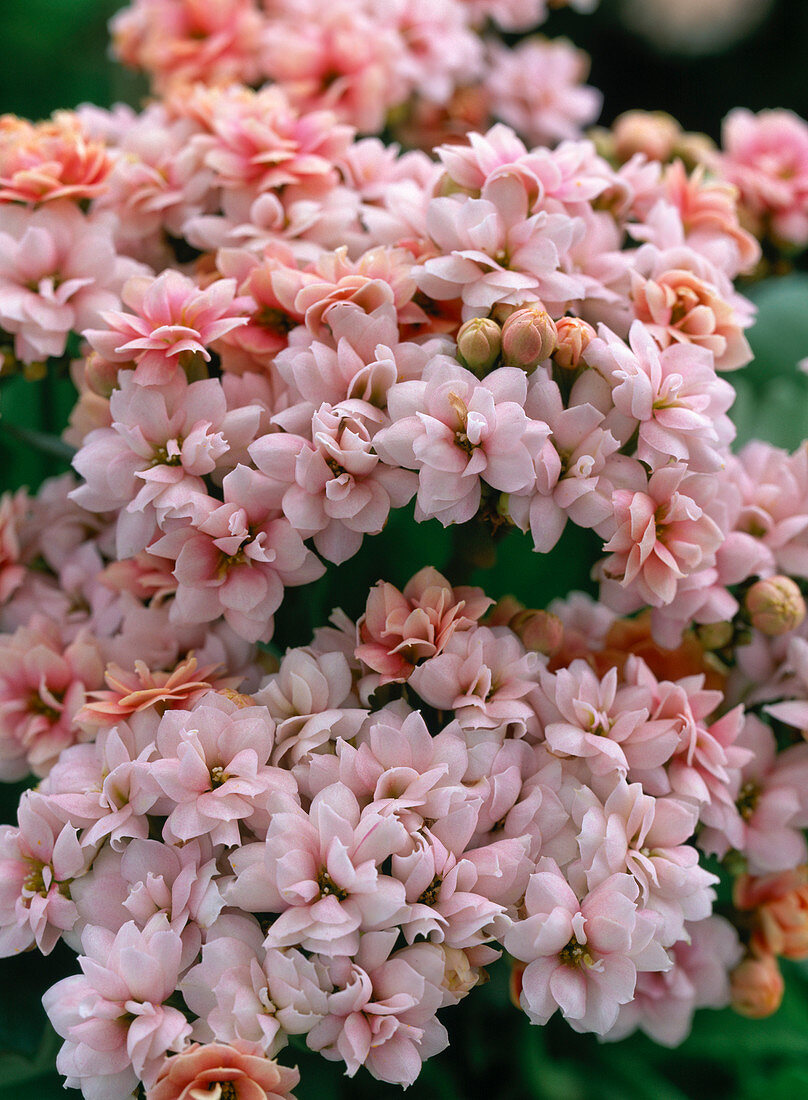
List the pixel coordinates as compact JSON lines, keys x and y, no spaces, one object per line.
{"x":329,"y":888}
{"x":34,"y":881}
{"x":227,"y":1090}
{"x":575,"y":954}
{"x":218,"y":776}
{"x":748,"y":799}
{"x":37,"y":705}
{"x":430,"y":895}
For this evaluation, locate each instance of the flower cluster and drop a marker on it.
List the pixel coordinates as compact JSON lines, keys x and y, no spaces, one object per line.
{"x":339,"y":853}
{"x":280,"y":332}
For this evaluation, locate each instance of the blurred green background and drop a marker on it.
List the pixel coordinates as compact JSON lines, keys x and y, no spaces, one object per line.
{"x":56,"y":55}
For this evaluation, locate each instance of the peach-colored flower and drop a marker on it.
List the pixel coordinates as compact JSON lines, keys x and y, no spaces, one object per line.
{"x":50,"y":160}
{"x":218,"y":1071}
{"x":757,"y":986}
{"x":781,"y":905}
{"x":141,"y":688}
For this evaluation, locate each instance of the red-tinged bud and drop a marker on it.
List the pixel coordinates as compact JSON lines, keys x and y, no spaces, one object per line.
{"x":478,"y":344}
{"x":540,"y":631}
{"x":529,"y":337}
{"x":503,"y":611}
{"x":775,"y":605}
{"x":574,"y":337}
{"x":515,"y":983}
{"x":653,"y":133}
{"x":757,"y":986}
{"x":100,"y":375}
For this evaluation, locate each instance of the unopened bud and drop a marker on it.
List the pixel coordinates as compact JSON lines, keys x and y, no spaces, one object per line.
{"x":653,"y":133}
{"x":100,"y":375}
{"x":695,"y":149}
{"x":540,"y":631}
{"x":478,"y":344}
{"x":775,"y":605}
{"x":715,"y":635}
{"x":574,"y":337}
{"x":35,"y":372}
{"x":780,"y":904}
{"x":503,"y":611}
{"x":529,"y":337}
{"x":446,"y":186}
{"x":757,"y":986}
{"x":236,"y":697}
{"x":515,"y":983}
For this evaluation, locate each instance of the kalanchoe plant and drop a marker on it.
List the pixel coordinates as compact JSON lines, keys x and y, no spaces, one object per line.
{"x":287,"y":334}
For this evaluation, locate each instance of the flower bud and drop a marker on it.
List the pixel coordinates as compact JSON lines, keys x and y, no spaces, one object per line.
{"x":540,"y":631}
{"x":574,"y":336}
{"x":653,"y":133}
{"x":515,"y":983}
{"x":757,"y":986}
{"x":775,"y":605}
{"x":239,"y":698}
{"x":478,"y":344}
{"x":528,"y":337}
{"x":503,"y":611}
{"x":459,"y":976}
{"x":780,"y":902}
{"x":715,"y":635}
{"x":100,"y":375}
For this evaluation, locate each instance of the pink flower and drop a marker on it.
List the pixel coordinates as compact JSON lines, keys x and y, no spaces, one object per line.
{"x":766,"y":157}
{"x":382,"y":1010}
{"x":172,"y":320}
{"x":492,"y":250}
{"x":321,"y":872}
{"x":199,"y":1069}
{"x":43,"y":685}
{"x":674,"y":394}
{"x":583,"y":957}
{"x":113,"y":1018}
{"x":537,"y":87}
{"x":457,"y":432}
{"x":213,"y":767}
{"x":58,"y":273}
{"x":662,"y":535}
{"x":13,"y":509}
{"x":38,"y":862}
{"x":50,"y":160}
{"x":399,"y":629}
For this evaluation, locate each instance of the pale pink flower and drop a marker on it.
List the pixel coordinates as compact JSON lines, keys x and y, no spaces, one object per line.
{"x":181,"y":41}
{"x":43,"y":685}
{"x":459,"y":432}
{"x":213,"y":767}
{"x":483,"y":675}
{"x":766,"y":157}
{"x":173,"y":320}
{"x":610,"y":726}
{"x":583,"y":956}
{"x":674,"y":394}
{"x":399,"y":629}
{"x":14,"y":508}
{"x":199,"y":1069}
{"x":663,"y":534}
{"x":236,"y":558}
{"x":382,"y":1010}
{"x":792,"y":685}
{"x":113,"y":1018}
{"x":321,"y":872}
{"x":440,"y":49}
{"x":537,"y":87}
{"x":493,"y":250}
{"x":38,"y":862}
{"x":58,"y":273}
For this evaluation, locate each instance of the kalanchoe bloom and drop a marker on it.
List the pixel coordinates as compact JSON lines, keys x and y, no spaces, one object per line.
{"x":43,"y":685}
{"x":538,"y":88}
{"x":493,"y":250}
{"x":662,"y":535}
{"x":400,"y":629}
{"x":134,"y":690}
{"x":458,"y":431}
{"x":674,"y":394}
{"x":213,"y":767}
{"x":766,"y":157}
{"x":780,"y":905}
{"x":321,"y":872}
{"x":113,"y":1017}
{"x":235,"y":559}
{"x":484,"y":676}
{"x":38,"y":861}
{"x":172,"y":321}
{"x":199,"y":1069}
{"x":58,"y":272}
{"x":583,"y":956}
{"x":341,"y":490}
{"x":382,"y":1010}
{"x":757,"y":986}
{"x":51,"y":160}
